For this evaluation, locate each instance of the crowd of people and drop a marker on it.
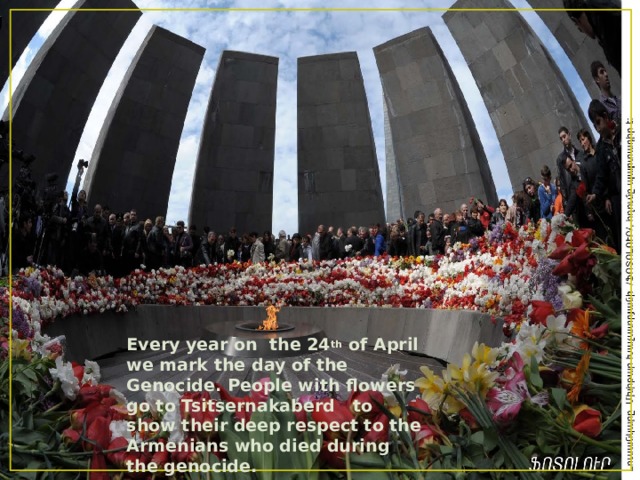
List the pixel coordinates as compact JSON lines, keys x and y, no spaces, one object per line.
{"x":587,"y":189}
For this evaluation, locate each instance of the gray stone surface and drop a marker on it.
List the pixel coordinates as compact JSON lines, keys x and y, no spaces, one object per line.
{"x":526,"y":95}
{"x":132,"y":164}
{"x":24,"y":26}
{"x":233,"y":183}
{"x":338,"y":176}
{"x":53,"y":102}
{"x":394,"y":207}
{"x":580,"y":49}
{"x":438,"y":155}
{"x":443,"y":334}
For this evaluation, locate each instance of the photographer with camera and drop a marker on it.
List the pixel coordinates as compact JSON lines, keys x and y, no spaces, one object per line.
{"x":58,"y":231}
{"x":44,"y":227}
{"x":79,"y":213}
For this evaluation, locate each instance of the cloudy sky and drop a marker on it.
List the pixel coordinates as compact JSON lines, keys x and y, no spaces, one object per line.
{"x":289,"y":35}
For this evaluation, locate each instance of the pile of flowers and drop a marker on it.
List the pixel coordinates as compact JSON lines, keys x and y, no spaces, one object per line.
{"x":498,"y":276}
{"x":552,"y":390}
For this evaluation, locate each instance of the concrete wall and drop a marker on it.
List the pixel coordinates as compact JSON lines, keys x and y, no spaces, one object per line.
{"x":233,"y":183}
{"x":338,"y":176}
{"x":132,"y":164}
{"x":580,"y":49}
{"x":394,"y":207}
{"x":439,"y":157}
{"x":24,"y":26}
{"x":443,"y":334}
{"x":53,"y":102}
{"x":526,"y":96}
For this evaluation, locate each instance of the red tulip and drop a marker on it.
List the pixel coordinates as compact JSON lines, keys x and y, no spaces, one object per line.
{"x":186,"y":455}
{"x":334,"y":460}
{"x":77,"y":418}
{"x":339,"y":413}
{"x":118,"y":458}
{"x":563,"y":268}
{"x":600,"y":331}
{"x":78,"y":371}
{"x":205,"y":414}
{"x":581,"y":236}
{"x":418,"y":411}
{"x":580,"y":254}
{"x":373,"y":435}
{"x":423,"y":438}
{"x":98,"y":434}
{"x":93,"y":393}
{"x":541,"y":310}
{"x":561,"y":251}
{"x":86,"y":416}
{"x":70,"y":436}
{"x":162,"y":456}
{"x":587,"y":421}
{"x":98,"y":462}
{"x":367,"y":405}
{"x":469,"y":419}
{"x":242,"y":414}
{"x":262,"y":395}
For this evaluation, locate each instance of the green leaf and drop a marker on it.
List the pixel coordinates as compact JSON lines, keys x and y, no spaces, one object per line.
{"x":264,"y":460}
{"x":559,"y":396}
{"x":368,"y":460}
{"x":534,"y":374}
{"x":478,"y":437}
{"x":233,"y":439}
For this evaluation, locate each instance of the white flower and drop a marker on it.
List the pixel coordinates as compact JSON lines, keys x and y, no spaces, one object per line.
{"x":119,"y":428}
{"x":118,"y":395}
{"x":64,"y":374}
{"x":570,"y":298}
{"x":176,"y":435}
{"x":392,"y":376}
{"x":530,"y":342}
{"x":91,"y":373}
{"x":556,"y":330}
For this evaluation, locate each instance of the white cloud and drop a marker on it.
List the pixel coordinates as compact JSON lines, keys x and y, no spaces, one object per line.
{"x":287,"y":35}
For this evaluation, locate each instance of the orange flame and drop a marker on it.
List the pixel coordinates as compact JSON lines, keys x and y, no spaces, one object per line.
{"x":271,"y":322}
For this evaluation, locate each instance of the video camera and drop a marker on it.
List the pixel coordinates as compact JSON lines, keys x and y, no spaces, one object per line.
{"x":83,"y":163}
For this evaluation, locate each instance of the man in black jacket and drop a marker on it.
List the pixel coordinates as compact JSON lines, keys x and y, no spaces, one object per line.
{"x":437,"y":232}
{"x":608,"y":182}
{"x":568,"y":151}
{"x":598,"y":19}
{"x":417,"y":235}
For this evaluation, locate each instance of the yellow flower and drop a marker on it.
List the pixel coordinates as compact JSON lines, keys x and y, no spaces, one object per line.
{"x":538,"y":234}
{"x":432,"y":387}
{"x":472,"y":376}
{"x":396,"y":410}
{"x":20,"y":349}
{"x":484,"y":354}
